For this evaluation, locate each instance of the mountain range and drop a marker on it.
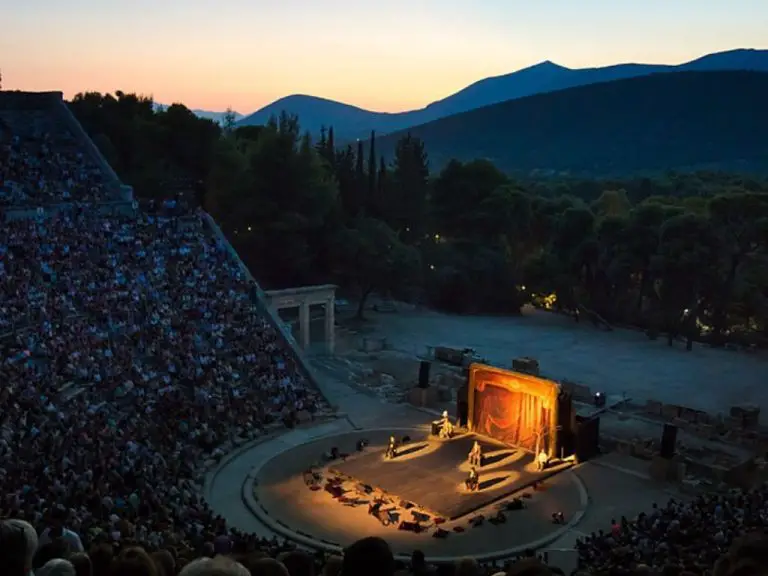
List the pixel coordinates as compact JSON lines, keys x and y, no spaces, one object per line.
{"x":350,"y":122}
{"x":217,"y":117}
{"x":667,"y":121}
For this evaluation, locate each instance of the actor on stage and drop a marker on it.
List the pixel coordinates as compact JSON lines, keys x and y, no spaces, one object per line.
{"x":543,"y":460}
{"x":476,"y":455}
{"x":391,"y":451}
{"x":446,"y":428}
{"x":473,"y":481}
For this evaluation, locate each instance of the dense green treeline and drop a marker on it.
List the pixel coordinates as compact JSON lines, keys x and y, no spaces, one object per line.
{"x":683,"y":255}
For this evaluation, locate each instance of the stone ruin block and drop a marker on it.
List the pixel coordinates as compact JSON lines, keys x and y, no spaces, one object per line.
{"x":706,"y":430}
{"x":387,"y":379}
{"x":624,"y":447}
{"x":680,"y":422}
{"x":526,"y":365}
{"x":581,"y":392}
{"x":732,"y":423}
{"x":736,"y":411}
{"x":641,"y":449}
{"x":423,"y":397}
{"x":449,"y":355}
{"x":653,"y":407}
{"x":444,"y":393}
{"x":749,"y":414}
{"x":374,"y":344}
{"x":689,"y":415}
{"x":704,"y":418}
{"x":670,"y":411}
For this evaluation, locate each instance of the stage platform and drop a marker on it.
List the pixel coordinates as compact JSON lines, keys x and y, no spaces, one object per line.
{"x":430,"y":473}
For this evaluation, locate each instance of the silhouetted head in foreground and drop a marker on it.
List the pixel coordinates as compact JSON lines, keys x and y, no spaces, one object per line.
{"x":369,"y":556}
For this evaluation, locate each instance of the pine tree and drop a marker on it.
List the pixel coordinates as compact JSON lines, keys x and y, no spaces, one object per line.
{"x":323,"y":142}
{"x":331,"y":143}
{"x":372,"y":167}
{"x":228,"y":121}
{"x":360,"y":183}
{"x":382,"y":179}
{"x":344,"y":169}
{"x":408,"y":198}
{"x":324,"y":148}
{"x":381,"y":190}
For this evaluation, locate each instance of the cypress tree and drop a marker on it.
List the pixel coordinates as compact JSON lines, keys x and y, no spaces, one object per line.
{"x":382,"y":179}
{"x":331,"y":143}
{"x":372,"y":167}
{"x":322,"y":144}
{"x":360,"y":183}
{"x":381,"y":190}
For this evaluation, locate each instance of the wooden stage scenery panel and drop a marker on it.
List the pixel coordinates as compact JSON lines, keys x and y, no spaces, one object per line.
{"x":432,"y":477}
{"x":514,"y":408}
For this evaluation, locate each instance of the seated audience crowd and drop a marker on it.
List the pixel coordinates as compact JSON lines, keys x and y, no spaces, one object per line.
{"x":41,"y":163}
{"x":132,"y":357}
{"x":23,"y":553}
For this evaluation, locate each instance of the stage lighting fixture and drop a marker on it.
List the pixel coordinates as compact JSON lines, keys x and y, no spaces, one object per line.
{"x":599,"y":399}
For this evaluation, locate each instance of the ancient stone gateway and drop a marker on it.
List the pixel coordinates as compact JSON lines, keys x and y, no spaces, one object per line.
{"x":302,"y":298}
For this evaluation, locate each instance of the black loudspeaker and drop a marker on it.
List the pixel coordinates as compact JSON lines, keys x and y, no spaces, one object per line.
{"x":463,"y":414}
{"x":462,"y":404}
{"x":668,"y":441}
{"x":566,"y":426}
{"x":424,"y":374}
{"x":587,"y":438}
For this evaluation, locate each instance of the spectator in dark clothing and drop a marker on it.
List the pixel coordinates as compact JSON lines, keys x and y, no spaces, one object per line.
{"x":369,"y":556}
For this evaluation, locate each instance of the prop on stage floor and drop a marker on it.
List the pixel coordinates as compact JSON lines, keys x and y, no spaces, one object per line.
{"x":443,"y":428}
{"x":473,"y":480}
{"x":391,"y":448}
{"x":476,"y":455}
{"x":386,"y":517}
{"x":312,"y":477}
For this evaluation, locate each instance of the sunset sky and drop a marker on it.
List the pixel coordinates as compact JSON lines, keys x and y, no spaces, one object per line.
{"x":386,"y":55}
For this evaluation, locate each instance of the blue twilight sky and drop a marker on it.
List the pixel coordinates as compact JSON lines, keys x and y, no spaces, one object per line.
{"x":385,"y":55}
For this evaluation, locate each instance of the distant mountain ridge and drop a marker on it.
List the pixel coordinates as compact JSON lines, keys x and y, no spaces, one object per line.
{"x":217,"y":117}
{"x":647,"y":124}
{"x":351,"y":122}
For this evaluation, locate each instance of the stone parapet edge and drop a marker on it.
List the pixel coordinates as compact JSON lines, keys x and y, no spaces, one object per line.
{"x":213,"y":472}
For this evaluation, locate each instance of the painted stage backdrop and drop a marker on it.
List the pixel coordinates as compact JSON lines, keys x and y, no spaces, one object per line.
{"x":512,"y":416}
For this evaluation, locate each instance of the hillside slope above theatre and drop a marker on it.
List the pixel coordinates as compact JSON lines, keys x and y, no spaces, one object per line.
{"x":351,"y":122}
{"x":685,"y":120}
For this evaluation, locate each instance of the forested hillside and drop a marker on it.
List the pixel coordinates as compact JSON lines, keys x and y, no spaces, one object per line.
{"x":682,"y":254}
{"x":670,"y":121}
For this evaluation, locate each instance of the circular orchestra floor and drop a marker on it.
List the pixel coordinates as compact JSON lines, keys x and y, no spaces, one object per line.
{"x":303,"y":496}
